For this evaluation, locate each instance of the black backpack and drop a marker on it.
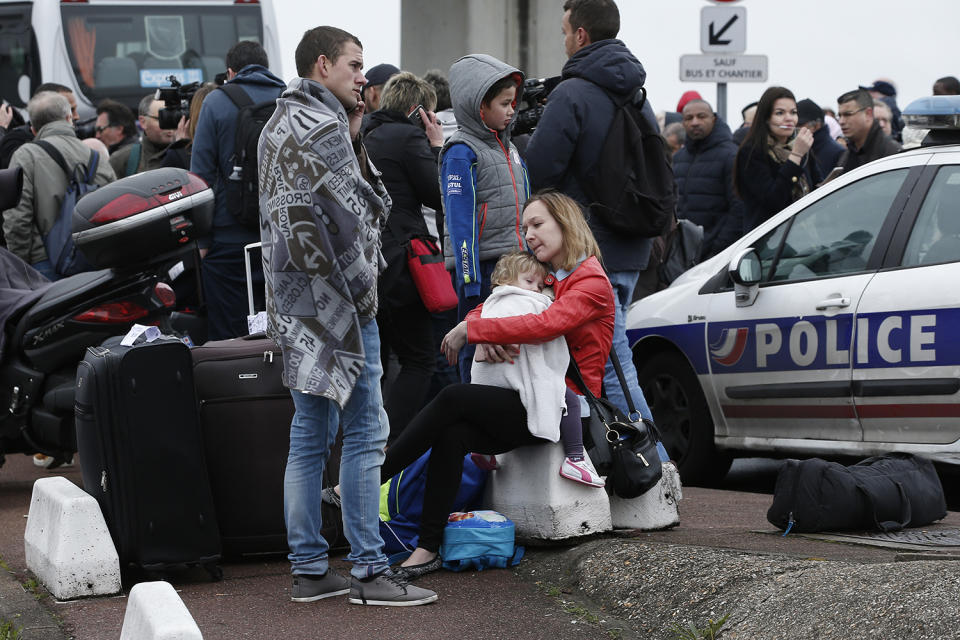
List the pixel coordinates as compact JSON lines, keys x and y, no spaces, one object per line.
{"x":58,"y":242}
{"x":631,"y":188}
{"x":243,"y":188}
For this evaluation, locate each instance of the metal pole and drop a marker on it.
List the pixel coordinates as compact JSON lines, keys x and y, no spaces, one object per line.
{"x":722,"y":100}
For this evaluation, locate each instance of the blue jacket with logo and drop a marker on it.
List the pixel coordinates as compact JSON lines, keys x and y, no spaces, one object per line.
{"x":482,"y":177}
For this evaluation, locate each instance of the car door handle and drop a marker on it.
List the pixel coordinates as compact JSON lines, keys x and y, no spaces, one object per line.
{"x":836,"y":301}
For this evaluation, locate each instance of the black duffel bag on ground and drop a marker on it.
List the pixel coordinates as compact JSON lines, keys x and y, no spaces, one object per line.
{"x":883,"y":493}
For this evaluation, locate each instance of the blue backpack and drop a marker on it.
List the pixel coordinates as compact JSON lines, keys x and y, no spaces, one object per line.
{"x":401,"y":503}
{"x":58,"y":242}
{"x":479,"y":540}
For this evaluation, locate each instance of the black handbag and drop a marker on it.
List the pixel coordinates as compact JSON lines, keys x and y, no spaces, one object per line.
{"x":622,"y":448}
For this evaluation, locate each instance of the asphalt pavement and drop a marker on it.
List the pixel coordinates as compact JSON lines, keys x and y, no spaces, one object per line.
{"x":723,"y":559}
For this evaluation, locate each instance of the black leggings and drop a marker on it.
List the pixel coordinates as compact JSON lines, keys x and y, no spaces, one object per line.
{"x":460,"y":419}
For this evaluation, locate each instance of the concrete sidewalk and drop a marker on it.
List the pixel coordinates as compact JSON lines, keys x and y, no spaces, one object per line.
{"x":625,"y":586}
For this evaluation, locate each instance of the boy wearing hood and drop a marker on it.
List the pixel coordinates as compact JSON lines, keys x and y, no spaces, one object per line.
{"x":323,"y":207}
{"x":483,"y":180}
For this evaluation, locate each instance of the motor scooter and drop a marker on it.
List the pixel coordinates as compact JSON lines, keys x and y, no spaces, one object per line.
{"x":135,"y":229}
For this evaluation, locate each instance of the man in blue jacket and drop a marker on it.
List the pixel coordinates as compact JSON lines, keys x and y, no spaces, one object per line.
{"x":703,"y":169}
{"x":224,"y":273}
{"x":567,"y":144}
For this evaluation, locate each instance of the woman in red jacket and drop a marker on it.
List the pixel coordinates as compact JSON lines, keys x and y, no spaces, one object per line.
{"x":466,"y":418}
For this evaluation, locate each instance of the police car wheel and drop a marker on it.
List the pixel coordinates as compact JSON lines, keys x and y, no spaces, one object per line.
{"x":680,"y":410}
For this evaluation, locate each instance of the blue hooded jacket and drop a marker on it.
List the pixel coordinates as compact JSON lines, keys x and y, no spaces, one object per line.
{"x":569,"y":137}
{"x":213,"y":146}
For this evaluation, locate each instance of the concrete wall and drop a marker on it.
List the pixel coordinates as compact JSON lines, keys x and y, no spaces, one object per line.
{"x":524,"y":33}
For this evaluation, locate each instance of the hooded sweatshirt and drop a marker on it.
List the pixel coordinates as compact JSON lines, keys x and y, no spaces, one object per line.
{"x":482,"y":178}
{"x":213,"y":146}
{"x":320,"y":225}
{"x":568,"y":140}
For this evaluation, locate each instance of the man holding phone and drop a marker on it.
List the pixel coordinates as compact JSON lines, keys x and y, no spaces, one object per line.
{"x":325,"y":209}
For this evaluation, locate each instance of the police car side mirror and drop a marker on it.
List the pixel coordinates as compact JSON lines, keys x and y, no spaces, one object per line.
{"x":745,"y":271}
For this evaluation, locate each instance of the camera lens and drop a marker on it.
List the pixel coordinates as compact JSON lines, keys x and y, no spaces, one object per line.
{"x":169,"y":118}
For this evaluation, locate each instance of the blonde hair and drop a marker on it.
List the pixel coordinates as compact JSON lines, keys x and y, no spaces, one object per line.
{"x":195,"y":103}
{"x":578,"y":240}
{"x":405,"y":90}
{"x":510,"y":265}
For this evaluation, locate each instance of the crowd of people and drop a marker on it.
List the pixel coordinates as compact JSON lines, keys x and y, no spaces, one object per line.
{"x":353,"y":165}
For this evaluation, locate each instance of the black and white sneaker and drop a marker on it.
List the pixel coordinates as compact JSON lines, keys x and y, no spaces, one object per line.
{"x":309,"y":589}
{"x":389,"y":590}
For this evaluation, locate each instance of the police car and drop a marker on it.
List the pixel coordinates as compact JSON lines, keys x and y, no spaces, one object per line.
{"x":831,"y":329}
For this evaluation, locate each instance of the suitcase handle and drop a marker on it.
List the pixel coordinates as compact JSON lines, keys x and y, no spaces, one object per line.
{"x":246,"y":259}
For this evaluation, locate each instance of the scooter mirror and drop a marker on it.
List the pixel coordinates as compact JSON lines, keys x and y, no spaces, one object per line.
{"x":11,"y":184}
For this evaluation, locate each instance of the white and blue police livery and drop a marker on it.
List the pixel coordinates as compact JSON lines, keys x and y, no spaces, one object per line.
{"x":831,"y":329}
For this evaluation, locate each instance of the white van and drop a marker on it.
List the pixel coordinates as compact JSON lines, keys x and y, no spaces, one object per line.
{"x":124,"y":49}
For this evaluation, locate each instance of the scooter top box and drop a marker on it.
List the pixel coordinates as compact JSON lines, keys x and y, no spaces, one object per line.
{"x":141,"y":216}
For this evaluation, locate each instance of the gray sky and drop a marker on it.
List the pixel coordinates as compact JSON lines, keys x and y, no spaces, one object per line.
{"x":816,"y":48}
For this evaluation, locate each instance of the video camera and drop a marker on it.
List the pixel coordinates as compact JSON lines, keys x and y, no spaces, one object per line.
{"x":176,"y":102}
{"x":535,"y":92}
{"x":86,"y":128}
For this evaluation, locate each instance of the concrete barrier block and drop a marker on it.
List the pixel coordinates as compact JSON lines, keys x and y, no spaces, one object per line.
{"x":67,"y":543}
{"x":529,"y":490}
{"x":156,"y":612}
{"x":656,"y":509}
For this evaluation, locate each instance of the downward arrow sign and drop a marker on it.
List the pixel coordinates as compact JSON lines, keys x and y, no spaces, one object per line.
{"x":715,"y":37}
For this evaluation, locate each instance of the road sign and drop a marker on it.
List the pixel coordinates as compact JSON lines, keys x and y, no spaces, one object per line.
{"x":723,"y":29}
{"x":722,"y":68}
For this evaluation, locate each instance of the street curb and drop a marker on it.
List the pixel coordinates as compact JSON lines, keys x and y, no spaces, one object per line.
{"x":24,"y":610}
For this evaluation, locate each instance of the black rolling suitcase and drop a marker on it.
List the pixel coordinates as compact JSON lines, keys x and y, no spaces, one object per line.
{"x":245,"y":414}
{"x":142,"y":455}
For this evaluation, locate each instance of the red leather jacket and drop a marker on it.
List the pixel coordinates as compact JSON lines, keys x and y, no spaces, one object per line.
{"x":582,"y":313}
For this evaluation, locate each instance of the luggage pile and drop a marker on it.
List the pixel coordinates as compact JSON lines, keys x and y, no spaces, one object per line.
{"x":185,"y":449}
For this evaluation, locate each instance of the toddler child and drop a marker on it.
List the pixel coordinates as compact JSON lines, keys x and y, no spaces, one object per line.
{"x":539,"y":371}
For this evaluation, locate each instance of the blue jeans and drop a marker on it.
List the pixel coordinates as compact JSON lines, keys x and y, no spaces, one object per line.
{"x":465,"y":306}
{"x":623,"y":283}
{"x":312,"y":433}
{"x":45,"y":267}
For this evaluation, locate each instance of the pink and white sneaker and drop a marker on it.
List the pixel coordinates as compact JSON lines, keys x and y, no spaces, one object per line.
{"x":581,"y":471}
{"x":487,"y":462}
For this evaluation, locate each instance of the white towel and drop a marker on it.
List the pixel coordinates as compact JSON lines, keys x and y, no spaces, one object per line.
{"x":538,"y":371}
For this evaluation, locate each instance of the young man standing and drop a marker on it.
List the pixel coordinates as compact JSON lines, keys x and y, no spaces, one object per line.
{"x":322,"y":211}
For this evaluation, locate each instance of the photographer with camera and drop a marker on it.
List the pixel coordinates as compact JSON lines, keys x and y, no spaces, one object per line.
{"x":567,"y":145}
{"x":213,"y":159}
{"x":148,"y":152}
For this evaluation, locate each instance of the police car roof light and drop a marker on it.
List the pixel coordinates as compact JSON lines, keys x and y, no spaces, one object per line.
{"x":933,"y":112}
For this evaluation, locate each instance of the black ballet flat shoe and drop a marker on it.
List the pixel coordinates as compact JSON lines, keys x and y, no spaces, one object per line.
{"x":415,"y":571}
